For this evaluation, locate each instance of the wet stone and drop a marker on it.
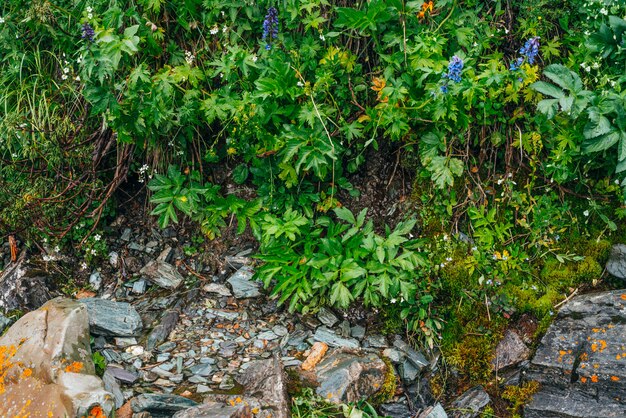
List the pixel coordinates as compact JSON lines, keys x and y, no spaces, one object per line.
{"x":326,"y":317}
{"x":376,"y":341}
{"x":201,"y":369}
{"x":510,"y":351}
{"x":616,"y":265}
{"x":411,"y":354}
{"x":327,"y":336}
{"x":395,"y":410}
{"x":126,"y":235}
{"x":140,"y":286}
{"x":435,"y":411}
{"x":280,"y":330}
{"x":160,"y":405}
{"x":162,"y":274}
{"x":4,"y":323}
{"x":243,"y":285}
{"x":165,"y":347}
{"x":111,"y":318}
{"x":471,"y":403}
{"x":267,"y":335}
{"x":111,"y":385}
{"x":122,"y":375}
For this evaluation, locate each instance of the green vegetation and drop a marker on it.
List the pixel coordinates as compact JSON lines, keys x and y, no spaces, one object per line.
{"x":505,"y":118}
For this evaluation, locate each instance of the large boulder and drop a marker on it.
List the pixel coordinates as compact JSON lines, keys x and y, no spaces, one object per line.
{"x":47,"y":356}
{"x":348,"y":376}
{"x":23,"y":286}
{"x":264,"y":393}
{"x":581,"y":360}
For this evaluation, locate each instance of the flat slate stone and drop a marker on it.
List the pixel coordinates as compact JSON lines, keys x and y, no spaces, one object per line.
{"x":581,"y":358}
{"x":471,"y":403}
{"x":243,"y":285}
{"x":327,"y":336}
{"x":510,"y":351}
{"x":215,"y":410}
{"x":116,"y":319}
{"x":435,"y":411}
{"x":616,"y":265}
{"x":160,"y":405}
{"x":326,"y":317}
{"x":122,"y":375}
{"x":162,"y":274}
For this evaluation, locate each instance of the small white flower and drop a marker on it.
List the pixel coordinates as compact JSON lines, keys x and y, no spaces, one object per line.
{"x":189,"y":57}
{"x":89,"y":9}
{"x":89,"y":16}
{"x":66,"y":70}
{"x":442,"y":265}
{"x":46,"y":257}
{"x":474,"y":248}
{"x":79,"y":60}
{"x":500,"y":181}
{"x":57,"y":249}
{"x":586,"y":213}
{"x":77,"y":78}
{"x":604,"y":11}
{"x":475,"y":44}
{"x":214,"y":30}
{"x":1,"y":20}
{"x":97,"y":237}
{"x":224,"y":29}
{"x":616,"y":181}
{"x":221,"y":75}
{"x":45,"y":239}
{"x":83,"y":266}
{"x":322,"y":37}
{"x":448,"y":258}
{"x":254,"y":58}
{"x":93,"y":251}
{"x":300,"y":84}
{"x":64,"y":76}
{"x":392,"y":300}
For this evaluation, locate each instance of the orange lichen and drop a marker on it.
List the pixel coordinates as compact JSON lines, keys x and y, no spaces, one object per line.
{"x":583,"y":379}
{"x":614,"y":378}
{"x":618,"y":357}
{"x":96,"y":412}
{"x":584,"y":357}
{"x":74,"y":367}
{"x":27,"y":373}
{"x":623,"y":296}
{"x":594,"y":378}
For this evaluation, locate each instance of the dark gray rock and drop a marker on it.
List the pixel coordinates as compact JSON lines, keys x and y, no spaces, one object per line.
{"x":111,"y":385}
{"x":616,"y":265}
{"x":435,"y":411}
{"x":408,"y":372}
{"x":160,"y":405}
{"x":243,"y":285}
{"x":126,"y":235}
{"x":140,"y":286}
{"x":395,"y":410}
{"x":23,"y":286}
{"x":349,"y":376}
{"x":419,"y":394}
{"x":203,"y":370}
{"x":4,"y":323}
{"x":265,"y":380}
{"x":413,"y":356}
{"x":510,"y":351}
{"x":581,"y":360}
{"x":357,"y":331}
{"x":327,"y":336}
{"x":215,"y":410}
{"x":375,"y":341}
{"x":163,"y":329}
{"x":326,"y":317}
{"x":117,"y":319}
{"x":122,"y":375}
{"x":162,"y":274}
{"x":471,"y":403}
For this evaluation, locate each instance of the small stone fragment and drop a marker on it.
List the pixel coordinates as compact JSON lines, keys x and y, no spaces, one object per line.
{"x":317,"y":353}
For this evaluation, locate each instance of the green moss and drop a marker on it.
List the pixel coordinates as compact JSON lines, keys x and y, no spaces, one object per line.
{"x":388,"y":388}
{"x":520,"y":395}
{"x":455,"y":277}
{"x":472,"y":357}
{"x":570,"y":274}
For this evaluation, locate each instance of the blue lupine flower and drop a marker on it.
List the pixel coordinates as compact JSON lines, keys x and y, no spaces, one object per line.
{"x":270,"y":27}
{"x":454,"y":72}
{"x":454,"y":69}
{"x":88,"y":32}
{"x":530,"y":49}
{"x":529,"y":53}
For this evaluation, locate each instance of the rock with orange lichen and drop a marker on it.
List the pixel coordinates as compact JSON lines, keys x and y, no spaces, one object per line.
{"x":46,"y":367}
{"x":581,"y":361}
{"x":317,"y":353}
